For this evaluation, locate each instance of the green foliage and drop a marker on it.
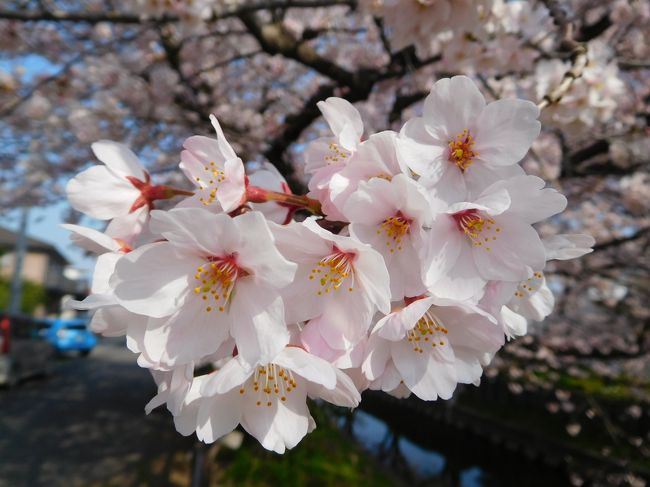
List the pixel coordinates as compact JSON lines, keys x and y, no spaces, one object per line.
{"x":326,"y":458}
{"x":32,"y":295}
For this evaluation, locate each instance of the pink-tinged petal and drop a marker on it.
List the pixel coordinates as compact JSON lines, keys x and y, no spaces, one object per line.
{"x":468,"y":365}
{"x":258,"y":253}
{"x":568,"y":246}
{"x":506,"y":130}
{"x":186,"y":420}
{"x":203,"y":150}
{"x":308,"y":366}
{"x":390,"y":379}
{"x":494,"y":202}
{"x":530,"y":201}
{"x":189,"y":335}
{"x":453,"y":105}
{"x":513,"y":255}
{"x":153,"y":280}
{"x":463,"y":281}
{"x":224,"y":146}
{"x":394,"y":326}
{"x":320,"y":155}
{"x":115,"y":321}
{"x":377,"y":356}
{"x":104,"y":268}
{"x":470,"y":330}
{"x":514,"y":325}
{"x":131,"y":227}
{"x":197,"y":229}
{"x":450,"y":187}
{"x":418,"y":150}
{"x":441,"y":249}
{"x":428,"y":375}
{"x":478,"y":177}
{"x":100,"y":193}
{"x":179,"y":386}
{"x":280,"y":426}
{"x":219,"y":415}
{"x":534,"y":304}
{"x":232,"y":191}
{"x":371,"y":203}
{"x":371,"y":272}
{"x":344,"y":393}
{"x":345,"y":320}
{"x":233,"y":374}
{"x":258,"y":324}
{"x":300,"y":241}
{"x":302,"y":299}
{"x":118,"y":158}
{"x":90,"y":239}
{"x":344,"y":121}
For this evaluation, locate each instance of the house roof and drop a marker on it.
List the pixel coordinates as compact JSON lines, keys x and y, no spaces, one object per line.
{"x":8,"y":242}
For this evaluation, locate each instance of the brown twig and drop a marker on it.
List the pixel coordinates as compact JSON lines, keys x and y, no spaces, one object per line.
{"x":577,"y":52}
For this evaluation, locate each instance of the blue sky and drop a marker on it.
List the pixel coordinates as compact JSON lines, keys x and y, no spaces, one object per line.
{"x":44,"y":222}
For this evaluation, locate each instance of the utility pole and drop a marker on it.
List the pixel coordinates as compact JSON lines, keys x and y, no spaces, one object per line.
{"x":19,"y":257}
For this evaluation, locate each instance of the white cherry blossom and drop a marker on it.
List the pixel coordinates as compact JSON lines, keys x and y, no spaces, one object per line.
{"x":339,"y":284}
{"x":214,"y":278}
{"x":215,"y":170}
{"x":461,"y":144}
{"x":269,"y":400}
{"x":390,"y":216}
{"x":490,"y":238}
{"x":431,"y":345}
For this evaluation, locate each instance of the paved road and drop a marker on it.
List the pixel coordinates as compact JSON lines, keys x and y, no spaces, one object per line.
{"x":85,"y":426}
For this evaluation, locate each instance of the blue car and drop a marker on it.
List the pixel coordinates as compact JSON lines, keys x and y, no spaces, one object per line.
{"x":71,"y":335}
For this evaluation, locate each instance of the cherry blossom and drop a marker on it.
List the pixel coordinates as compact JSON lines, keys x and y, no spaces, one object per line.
{"x":430,"y":345}
{"x":461,"y":144}
{"x":215,"y":170}
{"x":391,"y":216}
{"x":221,"y":278}
{"x":269,"y":401}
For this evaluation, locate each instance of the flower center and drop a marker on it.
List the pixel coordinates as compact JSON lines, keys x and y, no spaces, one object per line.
{"x":460,"y":150}
{"x":428,"y":330}
{"x":395,"y":228}
{"x":332,"y":270}
{"x":482,"y":231}
{"x":530,"y":285}
{"x":270,"y":382}
{"x":210,"y":182}
{"x":336,"y":154}
{"x":217,"y":280}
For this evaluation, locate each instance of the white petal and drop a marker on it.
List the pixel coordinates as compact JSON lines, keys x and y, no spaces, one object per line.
{"x":344,"y":393}
{"x":280,"y":426}
{"x":568,"y":246}
{"x":152,"y":280}
{"x":219,"y":415}
{"x":453,"y":105}
{"x":100,"y":193}
{"x":232,"y":374}
{"x":91,"y":239}
{"x":426,"y":375}
{"x":259,"y":254}
{"x":506,"y":130}
{"x":258,"y":325}
{"x":513,"y":255}
{"x":118,"y":158}
{"x":344,"y":121}
{"x":232,"y":191}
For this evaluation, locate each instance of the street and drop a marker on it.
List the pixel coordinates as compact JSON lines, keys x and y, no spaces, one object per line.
{"x":84,"y":425}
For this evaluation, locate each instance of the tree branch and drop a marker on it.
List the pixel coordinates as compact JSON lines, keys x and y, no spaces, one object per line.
{"x":125,"y":18}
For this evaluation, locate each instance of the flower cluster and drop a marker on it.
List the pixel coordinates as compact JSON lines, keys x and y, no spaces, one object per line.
{"x":418,"y":260}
